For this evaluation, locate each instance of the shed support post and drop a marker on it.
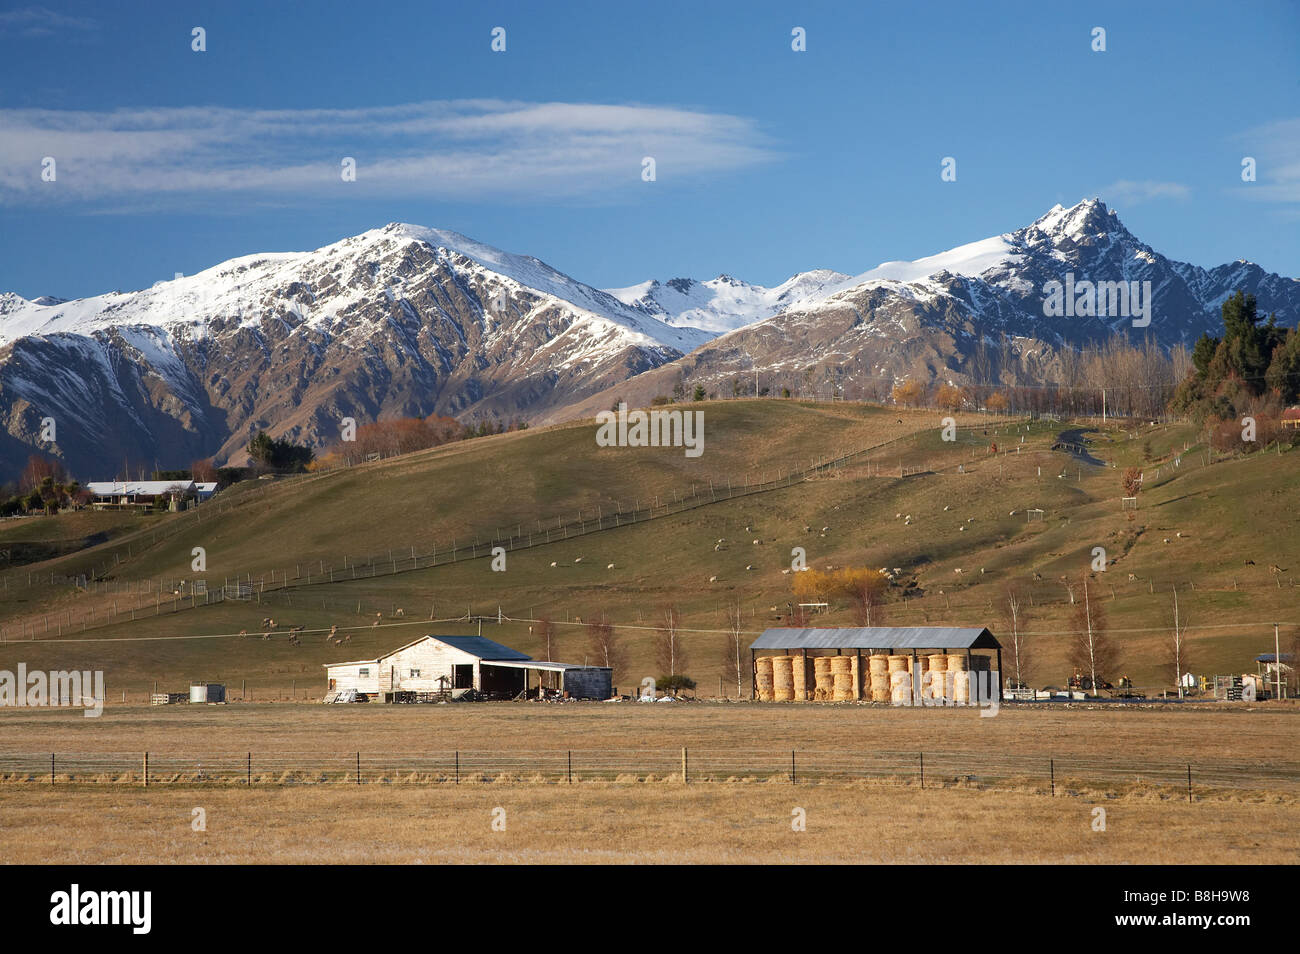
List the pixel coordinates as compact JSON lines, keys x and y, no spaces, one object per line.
{"x":753,"y":674}
{"x":1000,"y":676}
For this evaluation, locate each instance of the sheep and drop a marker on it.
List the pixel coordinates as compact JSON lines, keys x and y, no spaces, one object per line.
{"x":1011,"y":514}
{"x":1166,"y":539}
{"x":785,"y":571}
{"x":346,"y":639}
{"x":957,"y":571}
{"x":898,"y":516}
{"x":578,"y":560}
{"x":807,"y":529}
{"x":552,"y":563}
{"x":1038,"y":577}
{"x":610,"y":567}
{"x":379,"y":616}
{"x":717,"y":547}
{"x":898,"y":570}
{"x":399,"y":612}
{"x":749,"y":529}
{"x":713,"y":579}
{"x":945,"y":507}
{"x":1274,"y":568}
{"x":266,"y":621}
{"x":266,"y":635}
{"x":826,"y":529}
{"x":1132,"y":577}
{"x":981,"y":571}
{"x":757,"y":542}
{"x":243,"y":634}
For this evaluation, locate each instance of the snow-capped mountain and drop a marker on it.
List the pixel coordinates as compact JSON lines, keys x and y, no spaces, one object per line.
{"x":405,"y":320}
{"x":724,"y":303}
{"x":397,"y":321}
{"x":974,"y":314}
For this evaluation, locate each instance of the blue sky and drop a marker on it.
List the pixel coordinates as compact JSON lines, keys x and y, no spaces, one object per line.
{"x":768,"y":161}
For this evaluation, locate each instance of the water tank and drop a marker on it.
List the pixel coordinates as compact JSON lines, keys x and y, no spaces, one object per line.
{"x":207,"y":692}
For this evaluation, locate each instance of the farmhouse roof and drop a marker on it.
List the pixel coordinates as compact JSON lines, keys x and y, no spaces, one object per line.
{"x":134,"y":488}
{"x":878,"y":637}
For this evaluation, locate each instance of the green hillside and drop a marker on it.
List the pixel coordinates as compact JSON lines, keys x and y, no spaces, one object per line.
{"x":1216,"y":518}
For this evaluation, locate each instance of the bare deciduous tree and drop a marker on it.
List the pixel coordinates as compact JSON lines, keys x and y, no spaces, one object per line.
{"x":671,"y":656}
{"x":1020,"y":656}
{"x":1093,"y":648}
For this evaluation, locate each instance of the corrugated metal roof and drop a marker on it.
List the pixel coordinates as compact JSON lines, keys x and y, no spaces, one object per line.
{"x":481,"y":646}
{"x":537,"y":664}
{"x":878,"y":637}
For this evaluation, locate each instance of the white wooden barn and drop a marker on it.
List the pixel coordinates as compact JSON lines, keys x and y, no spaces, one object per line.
{"x":451,"y":666}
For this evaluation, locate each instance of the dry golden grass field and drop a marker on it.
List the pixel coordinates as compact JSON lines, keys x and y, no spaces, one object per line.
{"x":647,"y":815}
{"x":595,"y":823}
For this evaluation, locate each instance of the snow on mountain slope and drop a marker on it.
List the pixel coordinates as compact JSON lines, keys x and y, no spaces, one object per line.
{"x":724,"y":303}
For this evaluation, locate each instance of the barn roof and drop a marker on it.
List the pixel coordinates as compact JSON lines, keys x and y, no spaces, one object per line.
{"x":538,"y":664}
{"x":878,"y":637}
{"x":479,"y":646}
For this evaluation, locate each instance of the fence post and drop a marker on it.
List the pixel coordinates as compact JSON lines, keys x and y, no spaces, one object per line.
{"x":922,"y":754}
{"x":1189,"y":784}
{"x":570,"y":753}
{"x":792,"y":774}
{"x":358,"y":768}
{"x":685,"y":773}
{"x":146,"y":770}
{"x":457,"y":766}
{"x":51,"y":768}
{"x":250,"y":770}
{"x":1051,"y":764}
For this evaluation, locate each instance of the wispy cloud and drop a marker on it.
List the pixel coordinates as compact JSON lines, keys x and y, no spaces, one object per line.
{"x":1132,"y":192}
{"x":439,"y":149}
{"x":1275,"y":147}
{"x":40,"y":21}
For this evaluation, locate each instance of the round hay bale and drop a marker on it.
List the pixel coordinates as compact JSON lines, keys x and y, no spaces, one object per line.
{"x":925,"y":663}
{"x":957,"y":662}
{"x":879,"y":695}
{"x":961,"y":687}
{"x":879,"y":663}
{"x":822,"y":664}
{"x":898,"y":663}
{"x":939,"y":663}
{"x":783,"y":694}
{"x":900,"y":687}
{"x":783,"y":672}
{"x":841,"y":664}
{"x":801,"y":672}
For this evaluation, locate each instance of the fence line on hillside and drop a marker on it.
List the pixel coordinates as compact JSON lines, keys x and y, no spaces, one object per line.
{"x":1046,"y":774}
{"x":175,"y":596}
{"x":181,"y":594}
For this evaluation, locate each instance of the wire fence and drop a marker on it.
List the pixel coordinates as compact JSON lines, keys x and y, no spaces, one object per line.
{"x":1047,"y":774}
{"x":144,"y":598}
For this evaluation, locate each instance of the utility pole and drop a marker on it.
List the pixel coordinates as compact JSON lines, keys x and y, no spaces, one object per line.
{"x":1277,"y":661}
{"x":1103,"y":405}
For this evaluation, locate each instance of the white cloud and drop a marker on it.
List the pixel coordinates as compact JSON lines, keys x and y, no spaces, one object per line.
{"x":1275,"y":147}
{"x":439,"y":149}
{"x":39,"y":21}
{"x":1131,"y":192}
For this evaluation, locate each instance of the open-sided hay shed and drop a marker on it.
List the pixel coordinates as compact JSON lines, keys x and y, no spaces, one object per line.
{"x":890,"y":649}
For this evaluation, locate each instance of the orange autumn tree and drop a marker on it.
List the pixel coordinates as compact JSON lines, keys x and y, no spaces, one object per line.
{"x":862,"y":587}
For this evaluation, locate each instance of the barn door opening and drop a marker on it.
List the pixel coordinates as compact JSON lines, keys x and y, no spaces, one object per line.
{"x":462,"y":676}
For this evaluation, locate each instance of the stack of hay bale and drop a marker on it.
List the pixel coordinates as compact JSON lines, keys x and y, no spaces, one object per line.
{"x":842,"y":676}
{"x":799,"y":677}
{"x":878,"y":668}
{"x":763,"y":675}
{"x":900,"y":682}
{"x":783,"y":678}
{"x":824,"y":686}
{"x":960,"y":678}
{"x":938,"y":666}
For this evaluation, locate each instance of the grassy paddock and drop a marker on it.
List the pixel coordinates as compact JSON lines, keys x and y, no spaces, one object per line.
{"x":612,"y":823}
